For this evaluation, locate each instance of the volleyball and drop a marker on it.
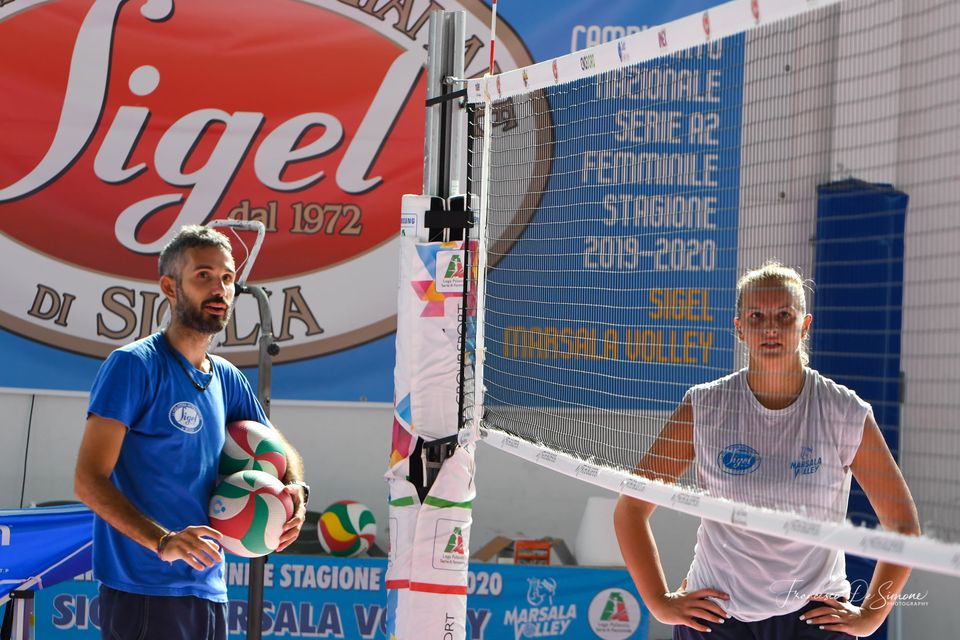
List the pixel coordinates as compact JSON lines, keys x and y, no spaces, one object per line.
{"x":249,"y":445}
{"x":250,"y":508}
{"x":347,"y":529}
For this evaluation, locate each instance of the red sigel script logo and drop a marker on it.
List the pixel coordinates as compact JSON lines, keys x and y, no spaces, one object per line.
{"x":127,"y":120}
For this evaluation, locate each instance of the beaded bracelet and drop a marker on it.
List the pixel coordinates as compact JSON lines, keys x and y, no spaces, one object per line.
{"x":162,"y":543}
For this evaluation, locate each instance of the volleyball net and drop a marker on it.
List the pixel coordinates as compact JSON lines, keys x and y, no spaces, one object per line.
{"x":622,"y":191}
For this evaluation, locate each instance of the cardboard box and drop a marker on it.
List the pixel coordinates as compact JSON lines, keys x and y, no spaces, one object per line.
{"x":504,"y":550}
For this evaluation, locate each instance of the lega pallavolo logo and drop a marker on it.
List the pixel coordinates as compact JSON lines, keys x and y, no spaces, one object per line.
{"x":738,"y":459}
{"x":455,"y":542}
{"x":614,"y":614}
{"x":186,"y":417}
{"x":450,"y":545}
{"x":449,"y":272}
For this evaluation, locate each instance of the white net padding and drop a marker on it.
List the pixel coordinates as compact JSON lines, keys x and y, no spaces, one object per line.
{"x":625,"y":188}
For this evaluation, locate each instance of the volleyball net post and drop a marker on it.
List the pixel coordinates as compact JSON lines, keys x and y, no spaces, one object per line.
{"x":431,"y":470}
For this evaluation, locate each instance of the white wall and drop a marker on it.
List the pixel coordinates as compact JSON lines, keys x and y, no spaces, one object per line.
{"x":13,"y":446}
{"x":345,"y":447}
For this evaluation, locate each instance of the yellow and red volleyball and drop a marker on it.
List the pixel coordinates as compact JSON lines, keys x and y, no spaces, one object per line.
{"x":347,"y":528}
{"x":249,"y":445}
{"x":250,"y":508}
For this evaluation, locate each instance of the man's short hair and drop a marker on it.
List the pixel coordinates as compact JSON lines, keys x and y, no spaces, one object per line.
{"x":189,"y":237}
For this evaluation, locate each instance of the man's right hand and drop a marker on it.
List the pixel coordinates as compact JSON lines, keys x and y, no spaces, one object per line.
{"x":197,"y":546}
{"x":690,"y":609}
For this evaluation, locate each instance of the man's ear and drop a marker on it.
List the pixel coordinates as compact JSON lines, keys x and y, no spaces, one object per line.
{"x":739,"y":329}
{"x":168,"y":287}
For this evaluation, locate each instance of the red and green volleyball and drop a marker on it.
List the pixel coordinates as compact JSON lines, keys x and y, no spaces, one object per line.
{"x":250,"y":445}
{"x":250,"y":508}
{"x":347,"y":528}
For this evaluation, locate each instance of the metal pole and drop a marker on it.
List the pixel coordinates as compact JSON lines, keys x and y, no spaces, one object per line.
{"x":443,"y":162}
{"x":431,"y":137}
{"x":22,"y":621}
{"x":454,"y":117}
{"x":443,"y":143}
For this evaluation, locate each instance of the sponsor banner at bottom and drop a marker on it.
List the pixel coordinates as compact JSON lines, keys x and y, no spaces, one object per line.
{"x":321,"y":597}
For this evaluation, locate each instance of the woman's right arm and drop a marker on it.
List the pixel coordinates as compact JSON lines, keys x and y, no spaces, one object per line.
{"x":667,"y":460}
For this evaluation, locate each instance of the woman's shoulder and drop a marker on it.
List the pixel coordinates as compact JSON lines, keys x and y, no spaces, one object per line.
{"x":829,"y":385}
{"x":726,"y":384}
{"x":830,"y":390}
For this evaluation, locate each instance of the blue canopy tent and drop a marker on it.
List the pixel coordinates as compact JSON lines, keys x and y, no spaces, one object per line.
{"x":40,"y":547}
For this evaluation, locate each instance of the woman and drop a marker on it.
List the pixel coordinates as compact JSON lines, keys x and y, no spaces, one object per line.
{"x":776,"y":434}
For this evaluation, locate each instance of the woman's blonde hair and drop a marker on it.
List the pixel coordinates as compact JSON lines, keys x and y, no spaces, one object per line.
{"x":773,"y":272}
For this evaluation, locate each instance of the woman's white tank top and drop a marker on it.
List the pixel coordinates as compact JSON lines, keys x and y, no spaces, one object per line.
{"x":796,"y":459}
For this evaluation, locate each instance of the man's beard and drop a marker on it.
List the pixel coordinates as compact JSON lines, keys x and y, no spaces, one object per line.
{"x":193,"y":317}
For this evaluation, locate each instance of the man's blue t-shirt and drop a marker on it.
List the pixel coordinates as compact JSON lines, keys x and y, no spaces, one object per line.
{"x":168,"y":462}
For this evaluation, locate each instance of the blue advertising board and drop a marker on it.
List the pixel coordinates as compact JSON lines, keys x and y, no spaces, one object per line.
{"x":619,"y":294}
{"x":321,"y":597}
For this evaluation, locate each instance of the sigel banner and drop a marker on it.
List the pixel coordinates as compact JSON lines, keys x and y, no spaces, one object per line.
{"x":307,"y":597}
{"x":122,"y":121}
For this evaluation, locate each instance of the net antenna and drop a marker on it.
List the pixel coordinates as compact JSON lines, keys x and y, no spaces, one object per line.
{"x":250,"y":254}
{"x":623,"y":189}
{"x":493,"y":33}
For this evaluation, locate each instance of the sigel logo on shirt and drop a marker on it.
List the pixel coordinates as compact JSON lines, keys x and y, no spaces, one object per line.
{"x":186,"y":417}
{"x":738,"y":459}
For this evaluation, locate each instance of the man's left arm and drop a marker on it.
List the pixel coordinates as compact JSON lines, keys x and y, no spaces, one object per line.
{"x":245,"y":405}
{"x":298,"y":490}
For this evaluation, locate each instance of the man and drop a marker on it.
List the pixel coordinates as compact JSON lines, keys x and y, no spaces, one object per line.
{"x":151,"y":446}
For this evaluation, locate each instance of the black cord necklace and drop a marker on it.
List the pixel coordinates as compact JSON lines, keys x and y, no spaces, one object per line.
{"x":179,"y":359}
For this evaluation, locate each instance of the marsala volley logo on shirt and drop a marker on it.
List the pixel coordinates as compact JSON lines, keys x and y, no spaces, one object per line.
{"x":129,"y":120}
{"x":806,"y":464}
